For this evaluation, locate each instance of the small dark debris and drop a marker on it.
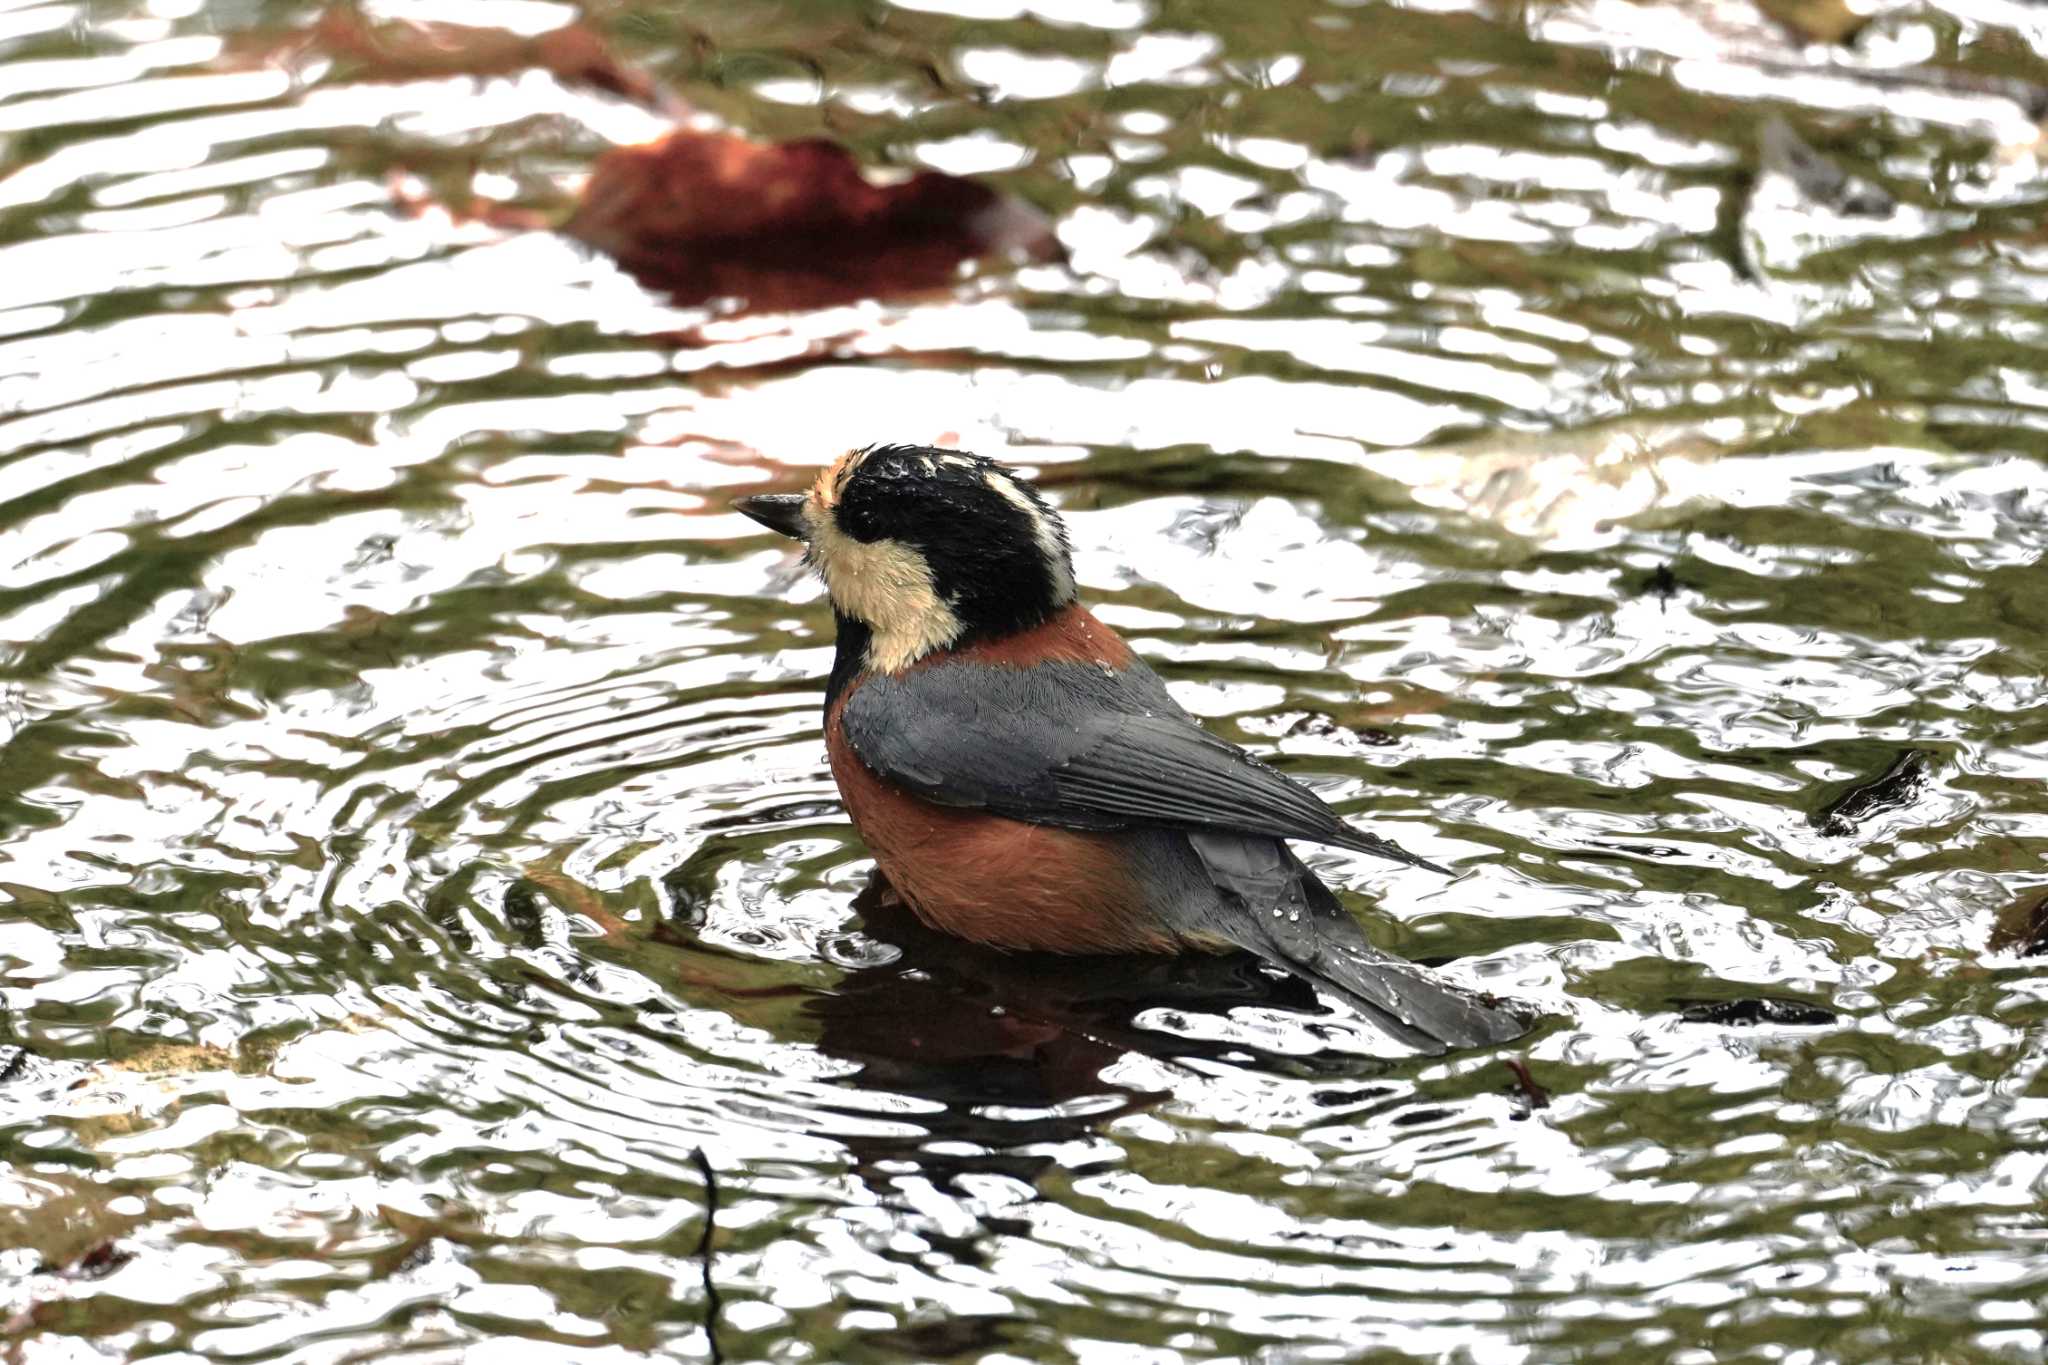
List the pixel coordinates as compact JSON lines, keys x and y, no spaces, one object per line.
{"x":523,"y":912}
{"x":1415,"y":1118}
{"x":416,"y":1258}
{"x":1897,"y":786}
{"x":13,"y":1061}
{"x":377,"y":549}
{"x":712,"y":1303}
{"x":97,"y":1263}
{"x":688,"y":901}
{"x":786,"y":812}
{"x":1755,"y":1010}
{"x":1538,"y":1097}
{"x":422,"y":1236}
{"x":1332,"y":1099}
{"x":1661,"y":583}
{"x":947,"y":1338}
{"x":1320,"y":726}
{"x":2022,"y":928}
{"x":1658,"y":851}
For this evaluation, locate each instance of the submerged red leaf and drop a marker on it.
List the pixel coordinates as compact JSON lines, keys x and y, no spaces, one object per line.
{"x":705,"y":215}
{"x":699,"y":214}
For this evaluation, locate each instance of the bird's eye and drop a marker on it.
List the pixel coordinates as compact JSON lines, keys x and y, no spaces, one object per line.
{"x":861,"y":519}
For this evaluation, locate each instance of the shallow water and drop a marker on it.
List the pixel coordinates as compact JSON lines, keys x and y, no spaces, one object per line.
{"x":415,"y":840}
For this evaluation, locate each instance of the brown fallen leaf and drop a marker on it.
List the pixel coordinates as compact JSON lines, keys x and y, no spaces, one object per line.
{"x":417,"y":1232}
{"x":1818,"y":21}
{"x":100,"y":1261}
{"x":68,"y":1220}
{"x":699,"y":214}
{"x":703,"y":215}
{"x":405,"y":49}
{"x":576,"y":898}
{"x":2022,"y":927}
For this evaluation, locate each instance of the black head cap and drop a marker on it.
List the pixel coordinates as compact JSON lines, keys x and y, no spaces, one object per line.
{"x":995,"y":553}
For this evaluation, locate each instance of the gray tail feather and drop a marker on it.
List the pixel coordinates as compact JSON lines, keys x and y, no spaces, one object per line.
{"x":1414,"y":1007}
{"x":1306,"y":931}
{"x":1404,"y":999}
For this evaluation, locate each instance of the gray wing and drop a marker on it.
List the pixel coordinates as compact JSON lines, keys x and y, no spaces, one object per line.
{"x":1080,"y":746}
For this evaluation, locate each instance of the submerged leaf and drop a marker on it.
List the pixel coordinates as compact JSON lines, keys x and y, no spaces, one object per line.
{"x":699,"y":213}
{"x":70,"y":1222}
{"x":2022,"y":927}
{"x":706,"y":215}
{"x":1818,"y":21}
{"x":406,"y":50}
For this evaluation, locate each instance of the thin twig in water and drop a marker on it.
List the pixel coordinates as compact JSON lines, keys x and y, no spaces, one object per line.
{"x":711,"y":1304}
{"x":1539,"y":1098}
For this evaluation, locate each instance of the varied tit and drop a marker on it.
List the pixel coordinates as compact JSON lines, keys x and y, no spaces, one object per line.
{"x":1025,"y":781}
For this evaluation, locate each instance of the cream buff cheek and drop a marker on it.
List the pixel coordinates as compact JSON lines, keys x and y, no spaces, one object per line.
{"x":885,"y":584}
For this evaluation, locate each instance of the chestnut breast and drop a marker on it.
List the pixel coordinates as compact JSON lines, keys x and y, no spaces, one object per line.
{"x":994,"y":880}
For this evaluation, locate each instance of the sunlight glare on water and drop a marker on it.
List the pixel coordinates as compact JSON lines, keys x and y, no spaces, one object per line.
{"x":1600,"y":445}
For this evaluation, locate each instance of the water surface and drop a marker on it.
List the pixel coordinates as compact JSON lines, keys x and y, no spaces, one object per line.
{"x":1587,"y":441}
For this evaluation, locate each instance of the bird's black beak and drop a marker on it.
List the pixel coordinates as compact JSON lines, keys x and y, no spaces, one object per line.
{"x":779,"y":512}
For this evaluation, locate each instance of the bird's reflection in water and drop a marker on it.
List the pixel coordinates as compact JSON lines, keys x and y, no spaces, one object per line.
{"x":1017,"y":1047}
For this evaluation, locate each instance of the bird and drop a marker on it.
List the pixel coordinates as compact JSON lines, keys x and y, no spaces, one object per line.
{"x":1025,"y":781}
